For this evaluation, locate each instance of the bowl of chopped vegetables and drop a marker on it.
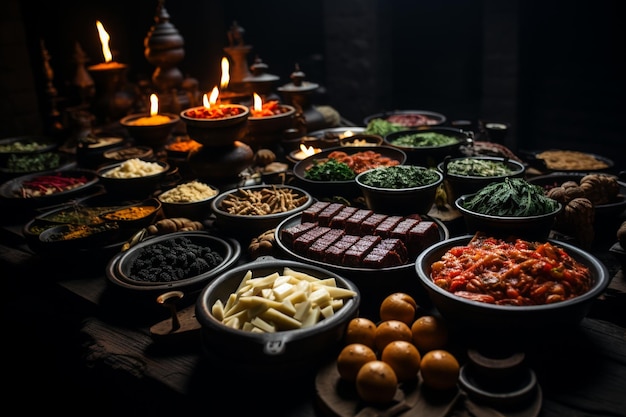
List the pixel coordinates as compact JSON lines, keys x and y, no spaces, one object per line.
{"x":332,"y":172}
{"x":494,"y":289}
{"x":468,"y":174}
{"x":511,"y":207}
{"x":399,"y":189}
{"x":428,"y":146}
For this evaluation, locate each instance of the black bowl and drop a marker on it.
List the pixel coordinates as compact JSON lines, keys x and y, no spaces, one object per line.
{"x":521,"y":322}
{"x":25,"y":145}
{"x":138,"y":186}
{"x":347,"y":189}
{"x":146,"y":213}
{"x":430,"y":156}
{"x":64,"y":238}
{"x":409,"y":118}
{"x":399,"y":201}
{"x":119,"y":269}
{"x":183,"y":201}
{"x":526,"y":227}
{"x":13,"y":190}
{"x":282,"y":353}
{"x":460,"y":184}
{"x":249,"y":225}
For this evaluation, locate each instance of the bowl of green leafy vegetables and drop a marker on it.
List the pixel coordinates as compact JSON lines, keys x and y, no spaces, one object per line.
{"x":400,"y":189}
{"x":512,"y":207}
{"x":428,"y":146}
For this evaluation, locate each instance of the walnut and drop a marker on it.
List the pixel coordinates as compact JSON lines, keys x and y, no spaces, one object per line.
{"x":264,"y":157}
{"x":262,"y":245}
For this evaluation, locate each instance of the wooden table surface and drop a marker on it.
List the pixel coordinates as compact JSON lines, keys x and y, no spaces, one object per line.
{"x":81,"y":348}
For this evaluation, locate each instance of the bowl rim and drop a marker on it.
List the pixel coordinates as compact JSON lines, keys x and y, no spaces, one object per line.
{"x":219,"y":212}
{"x":291,"y":110}
{"x":385,"y":114}
{"x":466,"y":212}
{"x":462,"y":136}
{"x":600,"y":282}
{"x":428,"y":186}
{"x":245,"y":114}
{"x":208,"y":320}
{"x":106,"y":168}
{"x":125,"y":121}
{"x":188,"y":203}
{"x":231,"y":247}
{"x":442,"y":166}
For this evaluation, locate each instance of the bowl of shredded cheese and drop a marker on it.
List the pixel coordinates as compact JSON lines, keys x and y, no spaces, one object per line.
{"x":190,"y":199}
{"x":134,"y":177}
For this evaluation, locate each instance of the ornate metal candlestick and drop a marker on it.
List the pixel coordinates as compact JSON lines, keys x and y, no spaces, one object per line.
{"x":164,"y":49}
{"x":261,"y":82}
{"x":298,"y":94}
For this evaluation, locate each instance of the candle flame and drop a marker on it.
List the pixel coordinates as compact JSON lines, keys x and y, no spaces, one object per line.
{"x":225,"y":74}
{"x":309,"y":150}
{"x":258,"y":103}
{"x":214,"y":95}
{"x":104,"y":39}
{"x":347,"y":134}
{"x":154,"y":105}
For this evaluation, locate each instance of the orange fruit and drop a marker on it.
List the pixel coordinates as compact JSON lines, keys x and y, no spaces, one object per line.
{"x":429,"y":332}
{"x":351,"y":358}
{"x":360,"y":330}
{"x":376,"y":382}
{"x":404,"y":358}
{"x":398,"y":306}
{"x":439,"y":369}
{"x":390,"y":330}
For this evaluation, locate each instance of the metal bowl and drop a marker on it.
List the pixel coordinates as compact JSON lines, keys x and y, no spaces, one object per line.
{"x":283,"y":353}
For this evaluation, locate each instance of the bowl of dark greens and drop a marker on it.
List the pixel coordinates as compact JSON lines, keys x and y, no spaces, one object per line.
{"x":511,"y":207}
{"x":332,"y":172}
{"x":399,"y":189}
{"x":468,"y":174}
{"x":428,"y":146}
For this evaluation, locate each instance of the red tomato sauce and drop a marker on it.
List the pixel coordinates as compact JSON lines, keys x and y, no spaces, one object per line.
{"x":516,"y":272}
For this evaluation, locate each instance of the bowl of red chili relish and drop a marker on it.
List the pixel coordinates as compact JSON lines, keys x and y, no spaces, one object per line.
{"x":493,"y":287}
{"x":218,"y":125}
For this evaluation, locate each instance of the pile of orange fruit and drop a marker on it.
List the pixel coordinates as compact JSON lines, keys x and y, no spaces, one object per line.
{"x":400,"y":348}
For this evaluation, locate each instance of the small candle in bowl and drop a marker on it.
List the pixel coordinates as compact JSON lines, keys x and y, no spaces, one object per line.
{"x":268,"y":121}
{"x":214,"y":124}
{"x":153,"y":129}
{"x":304,"y":152}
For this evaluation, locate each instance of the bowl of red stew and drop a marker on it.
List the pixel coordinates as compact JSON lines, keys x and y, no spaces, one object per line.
{"x":486,"y":286}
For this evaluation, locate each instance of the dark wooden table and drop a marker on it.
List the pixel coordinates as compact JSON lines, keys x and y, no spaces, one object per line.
{"x":75,"y":346}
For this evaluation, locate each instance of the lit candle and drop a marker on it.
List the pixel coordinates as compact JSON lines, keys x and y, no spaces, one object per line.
{"x":212,"y":109}
{"x":108,"y":63}
{"x":155,"y":118}
{"x":270,"y":108}
{"x":304,"y":152}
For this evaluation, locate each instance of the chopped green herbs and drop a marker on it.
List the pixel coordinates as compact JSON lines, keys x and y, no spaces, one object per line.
{"x":424,"y":139}
{"x":513,"y":197}
{"x":478,"y":167}
{"x":330,"y":170}
{"x":382,"y":127}
{"x":399,"y":176}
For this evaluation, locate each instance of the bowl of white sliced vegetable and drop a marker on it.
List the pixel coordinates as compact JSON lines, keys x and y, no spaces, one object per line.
{"x":275,"y":317}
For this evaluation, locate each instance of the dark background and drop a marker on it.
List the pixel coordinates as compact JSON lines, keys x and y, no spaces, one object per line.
{"x":554,"y":70}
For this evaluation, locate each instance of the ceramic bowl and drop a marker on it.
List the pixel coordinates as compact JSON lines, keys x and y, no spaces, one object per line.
{"x":251,"y":223}
{"x":178,"y":272}
{"x":153,"y":135}
{"x":268,"y":130}
{"x":524,"y":323}
{"x":468,"y":181}
{"x":189,"y":199}
{"x":134,"y":216}
{"x":429,"y":155}
{"x":135,"y":183}
{"x":219,"y":131}
{"x":402,"y":198}
{"x":25,"y":145}
{"x":526,"y":227}
{"x":409,"y":118}
{"x":283,"y":353}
